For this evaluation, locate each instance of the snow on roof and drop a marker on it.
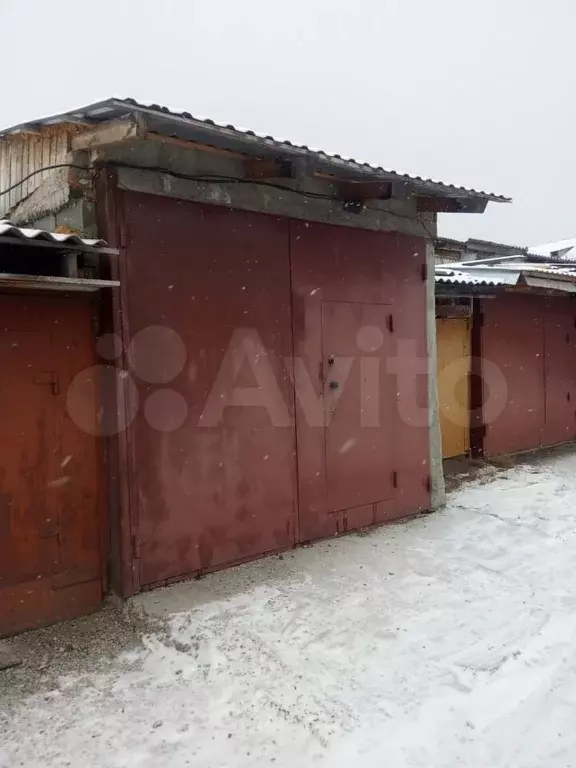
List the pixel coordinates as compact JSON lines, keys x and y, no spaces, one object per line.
{"x":499,"y":273}
{"x":564,"y":249}
{"x":462,"y":276}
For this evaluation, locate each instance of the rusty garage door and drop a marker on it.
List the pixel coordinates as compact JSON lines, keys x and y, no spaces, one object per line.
{"x":214,"y":438}
{"x":560,"y":370}
{"x":358,"y":450}
{"x":529,"y":371}
{"x":513,"y":372}
{"x":359,"y":327}
{"x":266,"y":355}
{"x":50,"y":553}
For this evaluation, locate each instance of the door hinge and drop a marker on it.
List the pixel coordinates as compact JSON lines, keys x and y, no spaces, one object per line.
{"x":394,"y":479}
{"x":479,"y":431}
{"x":123,"y":236}
{"x":424,"y":271}
{"x":390,"y":323}
{"x":428,"y":483}
{"x":49,"y":379}
{"x":135,"y":548}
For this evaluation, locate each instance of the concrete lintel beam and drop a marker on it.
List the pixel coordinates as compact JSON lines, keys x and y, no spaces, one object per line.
{"x":258,"y":198}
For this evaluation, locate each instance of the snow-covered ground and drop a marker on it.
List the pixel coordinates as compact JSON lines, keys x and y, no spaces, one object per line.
{"x":449,"y":640}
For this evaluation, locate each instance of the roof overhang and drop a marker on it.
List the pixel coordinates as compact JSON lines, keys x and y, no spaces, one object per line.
{"x":155,"y":120}
{"x":549,"y":283}
{"x":67,"y":247}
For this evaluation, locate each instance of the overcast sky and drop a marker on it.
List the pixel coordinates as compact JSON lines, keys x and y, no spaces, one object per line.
{"x":473,"y":93}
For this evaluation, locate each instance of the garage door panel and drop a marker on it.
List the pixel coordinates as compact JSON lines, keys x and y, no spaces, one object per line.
{"x":29,"y":514}
{"x":219,"y":487}
{"x":49,"y":517}
{"x":350,"y":287}
{"x":359,"y":411}
{"x":560,"y":368}
{"x":513,"y":373}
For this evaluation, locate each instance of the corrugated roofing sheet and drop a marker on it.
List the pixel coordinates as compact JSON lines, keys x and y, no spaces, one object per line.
{"x":549,"y":282}
{"x":164,"y":119}
{"x":566,"y":249}
{"x":9,"y":230}
{"x":547,"y":269}
{"x":458,"y":277}
{"x":501,"y":274}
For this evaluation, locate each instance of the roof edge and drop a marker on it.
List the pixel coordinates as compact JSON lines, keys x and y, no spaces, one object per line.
{"x":114,"y":108}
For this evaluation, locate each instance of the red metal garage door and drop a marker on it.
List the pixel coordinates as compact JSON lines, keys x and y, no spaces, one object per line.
{"x":359,"y":300}
{"x":560,"y":370}
{"x":214,"y":469}
{"x":248,"y":303}
{"x":359,"y":445}
{"x":531,"y":340}
{"x":512,"y":342}
{"x":50,"y":554}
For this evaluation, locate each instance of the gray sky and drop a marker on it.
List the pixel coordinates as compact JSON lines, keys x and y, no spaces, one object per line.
{"x":478,"y":94}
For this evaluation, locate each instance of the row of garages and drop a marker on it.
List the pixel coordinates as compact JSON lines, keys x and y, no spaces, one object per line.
{"x":506,"y":336}
{"x":245,"y":367}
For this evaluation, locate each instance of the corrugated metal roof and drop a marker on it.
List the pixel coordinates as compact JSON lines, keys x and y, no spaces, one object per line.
{"x":502,"y":274}
{"x":457,"y":277}
{"x":551,"y":283}
{"x":565,"y":248}
{"x":8,"y":230}
{"x":547,"y":269}
{"x":491,"y":246}
{"x":517,"y":267}
{"x":183,"y":124}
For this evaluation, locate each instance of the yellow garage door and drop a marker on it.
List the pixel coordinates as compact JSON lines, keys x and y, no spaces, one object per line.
{"x":453,"y":340}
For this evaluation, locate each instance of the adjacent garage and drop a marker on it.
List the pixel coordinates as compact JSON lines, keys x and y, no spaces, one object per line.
{"x":506,"y":335}
{"x":52,"y":519}
{"x":531,"y":339}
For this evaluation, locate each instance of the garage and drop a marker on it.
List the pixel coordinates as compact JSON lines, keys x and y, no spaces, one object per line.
{"x":507,"y":367}
{"x":52,"y":520}
{"x":271,"y":332}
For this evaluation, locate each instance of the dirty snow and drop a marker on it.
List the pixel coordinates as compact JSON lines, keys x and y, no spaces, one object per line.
{"x":449,"y":640}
